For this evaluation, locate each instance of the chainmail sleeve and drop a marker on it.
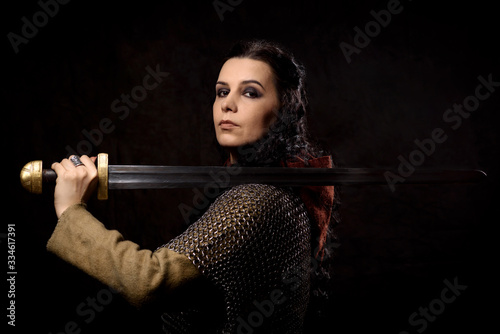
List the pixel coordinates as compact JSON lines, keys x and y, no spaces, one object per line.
{"x":253,"y":244}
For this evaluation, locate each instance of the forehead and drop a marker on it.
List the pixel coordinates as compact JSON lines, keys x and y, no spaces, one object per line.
{"x":236,"y":70}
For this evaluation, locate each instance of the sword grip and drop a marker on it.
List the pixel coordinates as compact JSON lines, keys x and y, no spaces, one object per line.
{"x":33,"y":175}
{"x":49,"y":176}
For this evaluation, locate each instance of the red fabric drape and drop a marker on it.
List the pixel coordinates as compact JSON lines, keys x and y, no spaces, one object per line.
{"x":317,"y":199}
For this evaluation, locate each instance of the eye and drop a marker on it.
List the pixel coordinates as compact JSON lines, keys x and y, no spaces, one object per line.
{"x":222,"y":92}
{"x":251,"y":93}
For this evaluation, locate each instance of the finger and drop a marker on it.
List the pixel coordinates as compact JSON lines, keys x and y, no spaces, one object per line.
{"x":58,"y":168}
{"x":67,"y":164}
{"x":88,"y":163}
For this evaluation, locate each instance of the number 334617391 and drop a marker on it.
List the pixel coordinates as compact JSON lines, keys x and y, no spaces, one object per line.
{"x":11,"y":246}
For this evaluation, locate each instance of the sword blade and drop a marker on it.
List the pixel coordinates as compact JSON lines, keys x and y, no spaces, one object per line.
{"x":161,"y":177}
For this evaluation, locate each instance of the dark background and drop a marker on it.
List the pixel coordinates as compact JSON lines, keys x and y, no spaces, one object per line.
{"x":396,"y":248}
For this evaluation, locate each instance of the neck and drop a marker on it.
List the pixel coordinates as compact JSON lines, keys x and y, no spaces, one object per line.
{"x":232,"y":157}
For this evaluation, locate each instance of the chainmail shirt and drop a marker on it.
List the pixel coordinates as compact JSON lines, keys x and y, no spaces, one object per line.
{"x":253,"y":245}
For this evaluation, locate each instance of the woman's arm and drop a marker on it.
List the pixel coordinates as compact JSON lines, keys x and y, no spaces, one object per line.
{"x":139,"y":275}
{"x":83,"y":241}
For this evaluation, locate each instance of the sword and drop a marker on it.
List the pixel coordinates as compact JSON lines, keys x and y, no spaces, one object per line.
{"x":162,"y":177}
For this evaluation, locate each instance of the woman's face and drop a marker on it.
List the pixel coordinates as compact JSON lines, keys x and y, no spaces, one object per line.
{"x":246,"y":102}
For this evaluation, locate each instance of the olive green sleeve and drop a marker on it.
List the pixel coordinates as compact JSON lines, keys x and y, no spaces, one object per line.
{"x":139,"y":275}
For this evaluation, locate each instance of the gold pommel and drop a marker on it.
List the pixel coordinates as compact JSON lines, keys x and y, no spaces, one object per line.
{"x":31,"y":177}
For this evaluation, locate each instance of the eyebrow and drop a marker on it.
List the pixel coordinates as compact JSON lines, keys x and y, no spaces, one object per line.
{"x":243,"y":82}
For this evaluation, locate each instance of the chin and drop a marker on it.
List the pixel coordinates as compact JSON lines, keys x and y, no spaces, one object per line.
{"x":229,"y":141}
{"x":229,"y":145}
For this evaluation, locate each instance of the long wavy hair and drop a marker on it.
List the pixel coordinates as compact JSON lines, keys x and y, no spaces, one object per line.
{"x":288,"y":139}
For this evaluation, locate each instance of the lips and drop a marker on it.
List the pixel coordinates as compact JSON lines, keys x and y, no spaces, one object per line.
{"x":227,"y":124}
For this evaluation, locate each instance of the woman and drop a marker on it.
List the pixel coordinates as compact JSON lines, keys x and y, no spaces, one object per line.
{"x":244,"y":266}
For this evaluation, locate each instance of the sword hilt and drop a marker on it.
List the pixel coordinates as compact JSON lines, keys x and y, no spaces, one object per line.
{"x":33,"y":176}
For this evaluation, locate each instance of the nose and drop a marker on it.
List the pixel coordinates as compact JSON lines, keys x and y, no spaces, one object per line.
{"x":229,"y":104}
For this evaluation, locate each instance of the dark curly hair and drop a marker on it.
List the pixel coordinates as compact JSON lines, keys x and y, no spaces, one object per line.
{"x":288,"y":139}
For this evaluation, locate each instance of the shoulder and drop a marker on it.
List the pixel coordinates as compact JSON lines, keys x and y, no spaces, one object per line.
{"x":256,"y":190}
{"x":257,"y":202}
{"x":261,"y":194}
{"x":244,"y":217}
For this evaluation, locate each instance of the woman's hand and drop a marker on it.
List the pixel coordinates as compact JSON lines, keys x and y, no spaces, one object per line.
{"x":74,"y":184}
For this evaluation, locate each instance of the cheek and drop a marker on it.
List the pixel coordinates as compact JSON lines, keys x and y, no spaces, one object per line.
{"x":264,"y":119}
{"x":260,"y":125}
{"x":270,"y":117}
{"x":215,"y":108}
